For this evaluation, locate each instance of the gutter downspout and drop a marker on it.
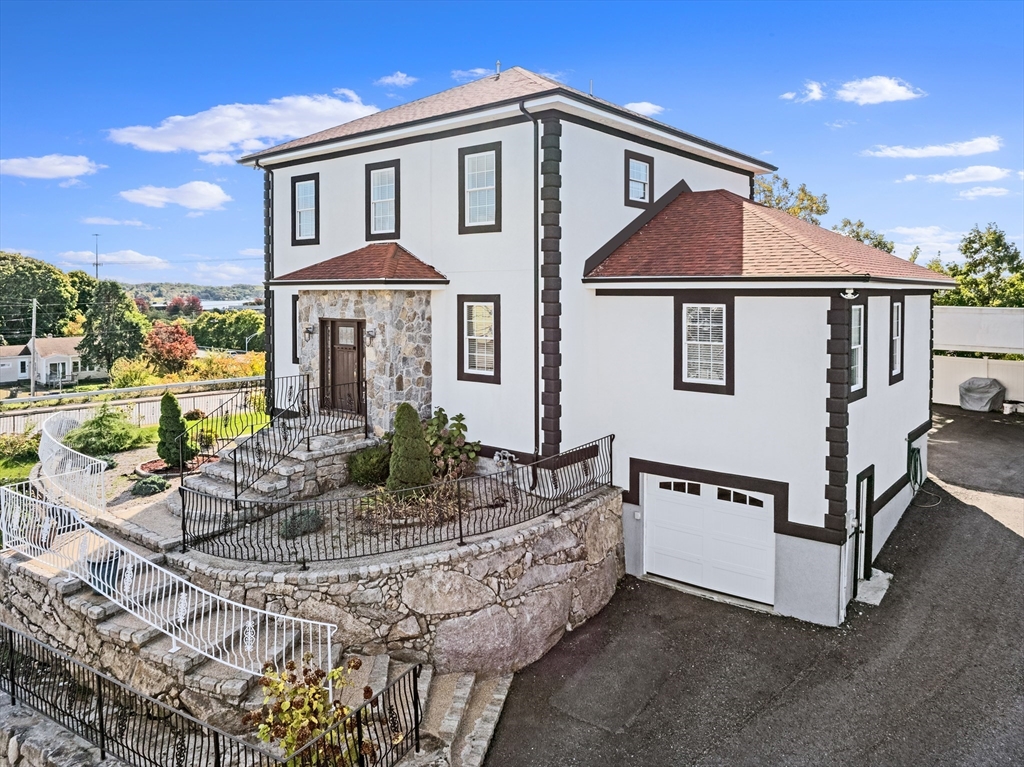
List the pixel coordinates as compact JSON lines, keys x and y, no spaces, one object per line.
{"x":536,"y":277}
{"x":268,"y":257}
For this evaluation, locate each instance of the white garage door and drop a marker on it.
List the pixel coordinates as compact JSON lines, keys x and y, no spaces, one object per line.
{"x":714,"y":537}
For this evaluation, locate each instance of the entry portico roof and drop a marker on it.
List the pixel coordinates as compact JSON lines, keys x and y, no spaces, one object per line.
{"x":378,"y":262}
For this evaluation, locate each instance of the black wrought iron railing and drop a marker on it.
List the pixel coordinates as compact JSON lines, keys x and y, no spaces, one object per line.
{"x":330,"y":530}
{"x":143,"y":732}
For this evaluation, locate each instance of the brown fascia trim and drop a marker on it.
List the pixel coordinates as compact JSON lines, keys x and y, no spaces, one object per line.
{"x":374,"y":281}
{"x":852,"y":278}
{"x":315,"y":240}
{"x":649,"y":162}
{"x":704,"y":297}
{"x":397,"y":232}
{"x":633,"y":227}
{"x":461,"y":374}
{"x":837,"y":405}
{"x":522,"y":99}
{"x":901,"y":299}
{"x":464,"y":228}
{"x":796,"y":291}
{"x":778,"y":490}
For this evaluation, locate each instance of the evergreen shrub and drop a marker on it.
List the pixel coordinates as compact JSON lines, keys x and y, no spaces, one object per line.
{"x":370,"y":467}
{"x":410,"y":454}
{"x":172,"y":426}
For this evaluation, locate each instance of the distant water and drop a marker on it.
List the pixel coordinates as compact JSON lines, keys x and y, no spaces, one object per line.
{"x":223,"y":304}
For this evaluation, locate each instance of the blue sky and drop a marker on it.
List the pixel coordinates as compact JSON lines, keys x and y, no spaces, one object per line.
{"x":909,"y":115}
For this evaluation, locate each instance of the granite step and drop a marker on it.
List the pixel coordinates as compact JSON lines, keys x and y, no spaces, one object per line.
{"x":479,"y":721}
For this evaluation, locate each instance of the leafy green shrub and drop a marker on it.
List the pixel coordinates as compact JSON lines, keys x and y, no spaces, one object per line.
{"x":410,"y":454}
{"x":106,"y":432}
{"x":450,"y":453}
{"x":126,"y":373}
{"x":172,"y":426}
{"x":150,"y":486}
{"x":370,"y":467}
{"x":19,"y":447}
{"x":301,"y":522}
{"x":195,"y":414}
{"x":109,"y":460}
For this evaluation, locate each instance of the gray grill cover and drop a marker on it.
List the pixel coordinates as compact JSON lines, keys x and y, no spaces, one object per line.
{"x":982,"y":394}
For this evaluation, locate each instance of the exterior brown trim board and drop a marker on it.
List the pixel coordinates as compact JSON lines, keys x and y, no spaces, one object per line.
{"x":462,"y":375}
{"x":679,"y":330}
{"x":464,"y":228}
{"x":315,"y":240}
{"x":397,"y":232}
{"x":901,"y":299}
{"x":649,"y":162}
{"x":551,"y":289}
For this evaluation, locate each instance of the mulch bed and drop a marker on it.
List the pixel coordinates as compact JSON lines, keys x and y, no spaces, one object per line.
{"x":160,"y":467}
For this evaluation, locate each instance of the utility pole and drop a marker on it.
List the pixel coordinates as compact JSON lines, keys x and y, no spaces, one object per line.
{"x":97,"y":241}
{"x":32,"y":352}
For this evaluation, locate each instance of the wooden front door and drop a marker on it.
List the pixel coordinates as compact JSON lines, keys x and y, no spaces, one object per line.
{"x":341,"y":365}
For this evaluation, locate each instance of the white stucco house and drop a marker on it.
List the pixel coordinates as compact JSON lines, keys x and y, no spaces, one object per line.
{"x":559,"y":268}
{"x":56,"y":362}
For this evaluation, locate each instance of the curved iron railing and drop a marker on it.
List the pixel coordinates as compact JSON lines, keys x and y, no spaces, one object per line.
{"x":66,"y":475}
{"x":144,"y":732}
{"x":236,"y":635}
{"x":329,"y":530}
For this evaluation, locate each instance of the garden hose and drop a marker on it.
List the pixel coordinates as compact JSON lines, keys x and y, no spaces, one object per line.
{"x":916,"y":474}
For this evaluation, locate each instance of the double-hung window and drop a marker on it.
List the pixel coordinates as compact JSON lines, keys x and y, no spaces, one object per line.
{"x":23,"y":367}
{"x":896,"y":341}
{"x":306,"y":209}
{"x":858,"y":350}
{"x":639,"y":173}
{"x":704,"y":342}
{"x":479,"y":345}
{"x":383,"y":206}
{"x":480,"y":188}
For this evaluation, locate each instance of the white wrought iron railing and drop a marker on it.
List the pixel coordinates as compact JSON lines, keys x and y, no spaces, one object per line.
{"x":242,"y":637}
{"x":66,"y":475}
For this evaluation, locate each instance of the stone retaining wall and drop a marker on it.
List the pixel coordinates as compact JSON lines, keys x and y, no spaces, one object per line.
{"x":495,"y":605}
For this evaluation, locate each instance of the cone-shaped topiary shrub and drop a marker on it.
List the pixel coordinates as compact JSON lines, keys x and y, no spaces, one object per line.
{"x":172,"y":425}
{"x":410,"y":454}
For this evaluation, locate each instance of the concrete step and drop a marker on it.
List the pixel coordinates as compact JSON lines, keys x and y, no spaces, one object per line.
{"x":479,"y":720}
{"x":461,"y":689}
{"x":372,"y":672}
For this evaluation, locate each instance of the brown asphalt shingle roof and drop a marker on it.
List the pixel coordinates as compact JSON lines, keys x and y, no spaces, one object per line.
{"x":64,"y":346}
{"x":721,"y":234}
{"x":379,"y":261}
{"x":15,"y":350}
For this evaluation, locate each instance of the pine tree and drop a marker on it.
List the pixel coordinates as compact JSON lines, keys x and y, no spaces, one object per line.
{"x":172,"y":425}
{"x":410,"y":454}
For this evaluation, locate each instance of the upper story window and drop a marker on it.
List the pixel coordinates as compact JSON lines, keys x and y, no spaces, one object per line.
{"x":858,"y":350}
{"x":480,"y":188}
{"x":306,"y":209}
{"x":896,"y":341}
{"x":383,"y":206}
{"x":704,"y":342}
{"x":479,"y":338}
{"x":639,"y":174}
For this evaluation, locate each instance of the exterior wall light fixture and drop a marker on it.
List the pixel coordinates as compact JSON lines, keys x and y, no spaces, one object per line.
{"x":849,"y":294}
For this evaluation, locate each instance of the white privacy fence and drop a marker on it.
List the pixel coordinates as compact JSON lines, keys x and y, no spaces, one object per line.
{"x":239,"y":636}
{"x":67,"y":476}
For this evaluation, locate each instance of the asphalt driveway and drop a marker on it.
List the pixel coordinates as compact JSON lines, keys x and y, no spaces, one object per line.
{"x":933,"y":676}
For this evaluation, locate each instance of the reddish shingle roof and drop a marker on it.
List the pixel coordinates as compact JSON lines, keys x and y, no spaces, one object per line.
{"x":13,"y":351}
{"x":377,"y":262}
{"x":720,"y":234}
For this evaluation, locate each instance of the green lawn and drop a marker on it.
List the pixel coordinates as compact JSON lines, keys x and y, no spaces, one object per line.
{"x":17,"y":468}
{"x":236,"y":425}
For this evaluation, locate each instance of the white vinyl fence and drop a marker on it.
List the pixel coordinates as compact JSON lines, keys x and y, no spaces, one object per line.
{"x":985,"y":329}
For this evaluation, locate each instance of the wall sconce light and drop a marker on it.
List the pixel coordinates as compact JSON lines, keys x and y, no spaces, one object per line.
{"x":308,"y":331}
{"x":371,"y":332}
{"x":849,"y":294}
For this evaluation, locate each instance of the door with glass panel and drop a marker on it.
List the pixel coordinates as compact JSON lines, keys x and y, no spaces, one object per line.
{"x":341,"y":365}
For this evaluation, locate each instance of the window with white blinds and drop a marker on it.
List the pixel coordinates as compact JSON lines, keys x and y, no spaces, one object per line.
{"x":856,"y":347}
{"x":897,"y":338}
{"x":639,"y":180}
{"x":704,"y":343}
{"x":479,"y":338}
{"x":305,"y":209}
{"x":382,"y":201}
{"x":481,"y":186}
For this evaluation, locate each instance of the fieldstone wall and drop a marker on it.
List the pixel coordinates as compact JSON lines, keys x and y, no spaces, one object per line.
{"x":398,"y":363}
{"x":492,"y":606}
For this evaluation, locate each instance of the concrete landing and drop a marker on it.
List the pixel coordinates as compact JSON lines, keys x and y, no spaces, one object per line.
{"x":871,"y":592}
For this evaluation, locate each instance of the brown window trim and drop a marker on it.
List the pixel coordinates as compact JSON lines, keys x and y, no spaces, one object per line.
{"x":650,"y":179}
{"x":898,"y":298}
{"x":479,"y":299}
{"x":370,"y":167}
{"x":315,"y":240}
{"x":728,"y":299}
{"x":862,"y":392}
{"x":478,"y":149}
{"x":295,"y":329}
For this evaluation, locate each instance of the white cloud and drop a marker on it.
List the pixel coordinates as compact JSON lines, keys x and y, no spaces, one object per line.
{"x":465,"y":75}
{"x":119,"y":257}
{"x":218,"y":158}
{"x":244,"y":127}
{"x":559,"y":76}
{"x":978,"y":145}
{"x":931,"y":240}
{"x":645,"y":108}
{"x":788,"y":95}
{"x":227,"y":274}
{"x":104,"y":221}
{"x":878,"y":90}
{"x":195,"y":195}
{"x":71,"y":182}
{"x":195,"y":214}
{"x":813,"y":91}
{"x":984,"y":191}
{"x":49,"y":166}
{"x":837,"y":124}
{"x":251,"y":252}
{"x":970,"y":175}
{"x":397,"y":80}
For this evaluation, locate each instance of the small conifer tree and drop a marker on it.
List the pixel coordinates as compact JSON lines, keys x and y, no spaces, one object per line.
{"x":172,"y":425}
{"x":410,"y":454}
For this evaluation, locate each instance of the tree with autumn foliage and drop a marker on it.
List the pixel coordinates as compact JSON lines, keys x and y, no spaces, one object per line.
{"x":170,"y":346}
{"x":186,"y":306}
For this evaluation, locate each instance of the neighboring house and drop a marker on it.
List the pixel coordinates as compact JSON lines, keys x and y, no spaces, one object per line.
{"x":558,"y":268}
{"x":14,"y":365}
{"x":58,"y":363}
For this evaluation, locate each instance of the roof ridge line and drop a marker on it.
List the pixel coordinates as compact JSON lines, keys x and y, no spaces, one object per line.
{"x":796,"y":238}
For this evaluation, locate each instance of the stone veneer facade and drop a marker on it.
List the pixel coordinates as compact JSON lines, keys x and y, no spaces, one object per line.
{"x":496,"y":605}
{"x":398,"y":363}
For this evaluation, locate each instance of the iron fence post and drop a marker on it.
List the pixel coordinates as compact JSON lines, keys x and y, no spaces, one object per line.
{"x":99,"y":705}
{"x":184,"y":525}
{"x":458,"y":501}
{"x":216,"y":749}
{"x":359,"y":739}
{"x":416,"y":703}
{"x":10,"y":663}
